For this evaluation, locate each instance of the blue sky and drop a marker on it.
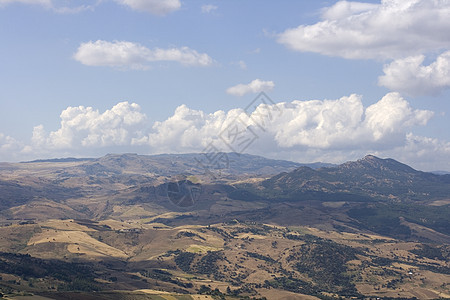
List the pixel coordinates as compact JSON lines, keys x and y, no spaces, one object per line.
{"x":87,"y":78}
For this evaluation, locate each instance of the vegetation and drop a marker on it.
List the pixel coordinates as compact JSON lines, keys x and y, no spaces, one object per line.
{"x":325,"y":262}
{"x":100,"y":222}
{"x":184,"y":260}
{"x":385,"y":219}
{"x":73,"y":276}
{"x":165,"y":276}
{"x":291,"y":284}
{"x":441,"y":252}
{"x":261,"y":257}
{"x":208,"y":264}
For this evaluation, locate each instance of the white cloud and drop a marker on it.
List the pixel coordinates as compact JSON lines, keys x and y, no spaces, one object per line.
{"x":10,"y":148}
{"x":242,"y":65}
{"x":183,"y":55}
{"x":422,"y":153}
{"x":208,"y":8}
{"x":307,"y":131}
{"x":345,"y":9}
{"x":410,"y":76}
{"x":123,"y":54}
{"x":54,"y":5}
{"x":316,"y":124}
{"x":344,"y":123}
{"x":331,"y":125}
{"x":155,"y":7}
{"x":8,"y":143}
{"x":84,"y":127}
{"x":37,"y":2}
{"x":187,"y":130}
{"x":391,"y":29}
{"x":115,"y":54}
{"x":45,"y":3}
{"x":255,"y":86}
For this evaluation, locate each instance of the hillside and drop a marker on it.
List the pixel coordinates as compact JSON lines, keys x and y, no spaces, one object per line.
{"x":367,"y":178}
{"x":142,"y":227}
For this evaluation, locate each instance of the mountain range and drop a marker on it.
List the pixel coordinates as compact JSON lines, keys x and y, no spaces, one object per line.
{"x":183,"y":225}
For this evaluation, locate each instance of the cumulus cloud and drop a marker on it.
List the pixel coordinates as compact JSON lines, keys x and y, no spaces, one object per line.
{"x":317,"y":124}
{"x":187,"y":130}
{"x":10,"y":148}
{"x":255,"y":86}
{"x":313,"y":130}
{"x":123,"y":54}
{"x":391,"y":29}
{"x":298,"y":125}
{"x":85,"y":127}
{"x":410,"y":76}
{"x":155,"y":7}
{"x":423,"y":153}
{"x":208,"y":8}
{"x":8,"y":143}
{"x":345,"y":123}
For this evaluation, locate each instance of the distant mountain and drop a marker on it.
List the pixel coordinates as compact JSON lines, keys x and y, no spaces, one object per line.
{"x":440,"y":172}
{"x":190,"y":164}
{"x":368,"y":178}
{"x":53,"y":160}
{"x":62,"y":178}
{"x":371,"y":228}
{"x":370,"y":194}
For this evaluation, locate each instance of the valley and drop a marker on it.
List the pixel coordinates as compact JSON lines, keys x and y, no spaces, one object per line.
{"x":160,"y":227}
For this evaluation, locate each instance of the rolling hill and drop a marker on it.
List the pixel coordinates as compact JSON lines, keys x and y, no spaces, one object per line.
{"x":141,"y":227}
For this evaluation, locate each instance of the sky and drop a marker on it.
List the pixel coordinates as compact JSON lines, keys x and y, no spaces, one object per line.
{"x":306,"y":81}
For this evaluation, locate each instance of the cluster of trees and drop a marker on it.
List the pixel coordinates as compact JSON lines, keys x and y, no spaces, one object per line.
{"x":291,"y":284}
{"x":261,"y":257}
{"x":208,"y":264}
{"x":385,"y":219}
{"x":73,"y":276}
{"x":325,"y":262}
{"x":195,"y":263}
{"x":432,"y":252}
{"x":217,"y":294}
{"x":165,"y":276}
{"x":184,"y":260}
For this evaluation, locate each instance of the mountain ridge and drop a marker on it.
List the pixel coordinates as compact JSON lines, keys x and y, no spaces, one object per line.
{"x":384,"y":179}
{"x":164,"y":223}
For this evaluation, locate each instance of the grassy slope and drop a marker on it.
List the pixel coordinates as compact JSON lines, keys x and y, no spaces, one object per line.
{"x":251,"y":259}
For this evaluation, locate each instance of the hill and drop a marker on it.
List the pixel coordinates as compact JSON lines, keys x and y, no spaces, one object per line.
{"x":150,"y":227}
{"x":369,"y":178}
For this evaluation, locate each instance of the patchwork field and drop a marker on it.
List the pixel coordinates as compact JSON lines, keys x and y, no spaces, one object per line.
{"x":137,"y":227}
{"x":237,"y":258}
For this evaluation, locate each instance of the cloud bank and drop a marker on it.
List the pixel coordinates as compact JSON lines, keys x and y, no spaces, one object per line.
{"x":128,"y":55}
{"x":313,"y":130}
